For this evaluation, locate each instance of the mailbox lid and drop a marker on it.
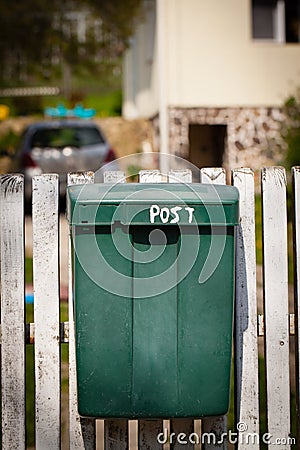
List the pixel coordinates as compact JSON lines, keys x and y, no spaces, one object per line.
{"x":142,"y":204}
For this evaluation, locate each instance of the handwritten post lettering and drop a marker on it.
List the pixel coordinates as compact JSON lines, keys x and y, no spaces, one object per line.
{"x":170,"y":215}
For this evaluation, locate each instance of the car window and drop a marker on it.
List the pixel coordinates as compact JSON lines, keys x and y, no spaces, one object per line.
{"x":61,"y":137}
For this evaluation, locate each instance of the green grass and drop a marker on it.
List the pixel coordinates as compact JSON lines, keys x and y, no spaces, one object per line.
{"x":97,"y":89}
{"x":106,"y":105}
{"x":106,"y":102}
{"x":258,"y":226}
{"x":28,"y":270}
{"x":30,"y":395}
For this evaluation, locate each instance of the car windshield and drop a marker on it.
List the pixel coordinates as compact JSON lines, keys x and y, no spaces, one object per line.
{"x":68,"y":136}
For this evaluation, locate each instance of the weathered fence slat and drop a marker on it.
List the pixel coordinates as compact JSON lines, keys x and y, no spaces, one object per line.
{"x":115,"y":431}
{"x":82,"y":431}
{"x":114,"y":176}
{"x":150,"y":176}
{"x":276,"y":302}
{"x":215,"y":425}
{"x":177,"y":426}
{"x":12,"y":312}
{"x":180,"y":176}
{"x":246,"y":350}
{"x":296,"y":187}
{"x":46,"y":310}
{"x":116,"y":434}
{"x":181,"y":434}
{"x":148,"y":430}
{"x":214,"y":175}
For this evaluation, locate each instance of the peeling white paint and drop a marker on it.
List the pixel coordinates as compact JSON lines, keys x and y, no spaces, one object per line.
{"x":276,"y":313}
{"x":216,"y":425}
{"x":46,"y":310}
{"x":246,"y":356}
{"x":12,"y":311}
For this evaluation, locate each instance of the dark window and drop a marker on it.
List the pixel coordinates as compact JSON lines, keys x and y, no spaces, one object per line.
{"x":276,"y":20}
{"x":292,"y":20}
{"x":66,"y":136}
{"x":263,"y":13}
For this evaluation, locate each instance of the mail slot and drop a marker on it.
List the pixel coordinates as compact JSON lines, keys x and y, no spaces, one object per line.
{"x":153,"y":269}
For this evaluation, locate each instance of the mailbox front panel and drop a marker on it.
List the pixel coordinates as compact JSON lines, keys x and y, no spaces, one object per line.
{"x":156,"y":340}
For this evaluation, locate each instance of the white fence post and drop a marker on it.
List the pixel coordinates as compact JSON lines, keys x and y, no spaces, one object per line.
{"x":82,"y":431}
{"x":178,"y":426}
{"x":46,"y":310}
{"x":149,"y":429}
{"x":115,"y":431}
{"x":276,"y":303}
{"x":216,"y":425}
{"x":12,"y":312}
{"x":296,"y":187}
{"x":246,"y":348}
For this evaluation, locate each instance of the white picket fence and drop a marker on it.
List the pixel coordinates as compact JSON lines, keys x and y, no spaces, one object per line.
{"x":273,"y":327}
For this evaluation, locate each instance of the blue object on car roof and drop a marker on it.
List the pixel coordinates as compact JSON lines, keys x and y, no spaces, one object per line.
{"x":83,"y":113}
{"x":61,"y":111}
{"x":29,"y":298}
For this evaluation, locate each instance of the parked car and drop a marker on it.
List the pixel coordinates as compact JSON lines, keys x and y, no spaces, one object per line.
{"x":61,"y":147}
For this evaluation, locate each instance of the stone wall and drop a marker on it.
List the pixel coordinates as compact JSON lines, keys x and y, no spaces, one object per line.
{"x":253,"y":134}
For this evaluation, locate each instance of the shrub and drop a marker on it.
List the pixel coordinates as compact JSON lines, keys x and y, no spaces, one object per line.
{"x":291,"y":130}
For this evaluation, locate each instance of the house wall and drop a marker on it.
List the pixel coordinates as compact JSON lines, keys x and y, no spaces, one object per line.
{"x":210,"y":60}
{"x":215,"y":74}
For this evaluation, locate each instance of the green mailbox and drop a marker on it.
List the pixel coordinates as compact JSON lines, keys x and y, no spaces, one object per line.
{"x":153,"y":268}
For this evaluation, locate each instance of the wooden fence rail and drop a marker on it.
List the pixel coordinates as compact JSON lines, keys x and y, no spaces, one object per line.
{"x":280,"y":316}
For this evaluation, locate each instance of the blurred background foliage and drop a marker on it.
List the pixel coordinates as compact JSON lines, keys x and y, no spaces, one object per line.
{"x":76,"y":45}
{"x":290,"y":130}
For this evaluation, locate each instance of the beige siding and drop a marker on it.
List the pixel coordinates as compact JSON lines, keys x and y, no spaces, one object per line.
{"x":216,"y":61}
{"x":212,"y":60}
